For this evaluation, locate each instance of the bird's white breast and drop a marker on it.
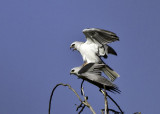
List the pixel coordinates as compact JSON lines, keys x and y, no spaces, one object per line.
{"x":88,"y":52}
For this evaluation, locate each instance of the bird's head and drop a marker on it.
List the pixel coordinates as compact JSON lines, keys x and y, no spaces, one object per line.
{"x":75,"y":71}
{"x":75,"y":45}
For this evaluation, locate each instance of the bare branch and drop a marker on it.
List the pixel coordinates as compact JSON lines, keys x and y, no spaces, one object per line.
{"x":82,"y":106}
{"x":82,"y":87}
{"x":137,"y":113}
{"x":115,"y":104}
{"x":102,"y":111}
{"x":82,"y":109}
{"x":105,"y":100}
{"x":105,"y":94}
{"x":115,"y":112}
{"x":85,"y":102}
{"x":79,"y":106}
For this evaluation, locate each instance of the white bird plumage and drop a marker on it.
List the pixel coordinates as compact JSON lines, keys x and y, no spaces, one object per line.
{"x":96,"y":47}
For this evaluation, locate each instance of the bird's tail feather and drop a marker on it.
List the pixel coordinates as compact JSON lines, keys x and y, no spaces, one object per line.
{"x":110,"y":73}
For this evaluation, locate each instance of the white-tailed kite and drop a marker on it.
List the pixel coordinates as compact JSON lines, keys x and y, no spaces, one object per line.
{"x":96,"y":47}
{"x":92,"y":73}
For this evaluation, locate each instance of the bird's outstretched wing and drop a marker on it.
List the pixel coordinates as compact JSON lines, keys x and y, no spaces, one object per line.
{"x":100,"y":35}
{"x":101,"y":38}
{"x":92,"y":67}
{"x":92,"y":73}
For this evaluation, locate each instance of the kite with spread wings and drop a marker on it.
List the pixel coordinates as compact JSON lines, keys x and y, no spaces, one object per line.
{"x":92,"y":74}
{"x":95,"y":47}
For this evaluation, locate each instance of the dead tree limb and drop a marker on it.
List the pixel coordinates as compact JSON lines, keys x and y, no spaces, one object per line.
{"x":115,"y":112}
{"x":105,"y":94}
{"x":115,"y":103}
{"x":105,"y":100}
{"x":81,"y":87}
{"x":85,"y":102}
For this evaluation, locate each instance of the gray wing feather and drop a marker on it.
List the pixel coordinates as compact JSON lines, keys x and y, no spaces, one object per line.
{"x":91,"y":67}
{"x":100,"y":81}
{"x":92,"y":73}
{"x":101,"y":38}
{"x":86,"y":68}
{"x":100,"y":35}
{"x":110,"y":73}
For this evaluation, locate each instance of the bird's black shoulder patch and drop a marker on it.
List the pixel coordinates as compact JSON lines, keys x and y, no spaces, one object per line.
{"x":85,"y":68}
{"x":105,"y":56}
{"x":111,"y":50}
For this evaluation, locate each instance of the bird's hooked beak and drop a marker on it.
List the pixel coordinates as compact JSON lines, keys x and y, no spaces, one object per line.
{"x":72,"y":47}
{"x":71,"y":73}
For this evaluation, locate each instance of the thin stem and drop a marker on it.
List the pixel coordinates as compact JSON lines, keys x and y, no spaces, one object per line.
{"x":102,"y":111}
{"x":112,"y":101}
{"x":105,"y":99}
{"x":115,"y":103}
{"x":82,"y":87}
{"x":85,"y":102}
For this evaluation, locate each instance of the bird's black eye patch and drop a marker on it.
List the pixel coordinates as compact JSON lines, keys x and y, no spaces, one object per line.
{"x":72,"y":70}
{"x":73,"y":45}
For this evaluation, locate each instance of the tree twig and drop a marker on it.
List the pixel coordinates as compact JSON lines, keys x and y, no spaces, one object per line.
{"x":82,"y":86}
{"x":115,"y":112}
{"x":79,"y":106}
{"x":102,"y":111}
{"x":82,"y":109}
{"x":85,"y":102}
{"x":115,"y":104}
{"x":105,"y":100}
{"x":105,"y":93}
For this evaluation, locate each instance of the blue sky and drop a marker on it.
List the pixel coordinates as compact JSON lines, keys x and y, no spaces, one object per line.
{"x":35,"y":36}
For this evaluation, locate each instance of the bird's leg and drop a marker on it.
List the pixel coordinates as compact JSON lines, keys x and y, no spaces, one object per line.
{"x":85,"y":63}
{"x":100,"y":90}
{"x":82,"y":87}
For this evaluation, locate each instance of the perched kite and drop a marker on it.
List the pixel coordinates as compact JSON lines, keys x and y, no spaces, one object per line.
{"x":92,"y":73}
{"x":96,"y":47}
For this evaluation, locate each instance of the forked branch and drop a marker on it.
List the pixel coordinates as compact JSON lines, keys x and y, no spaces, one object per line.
{"x":85,"y":102}
{"x":105,"y":94}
